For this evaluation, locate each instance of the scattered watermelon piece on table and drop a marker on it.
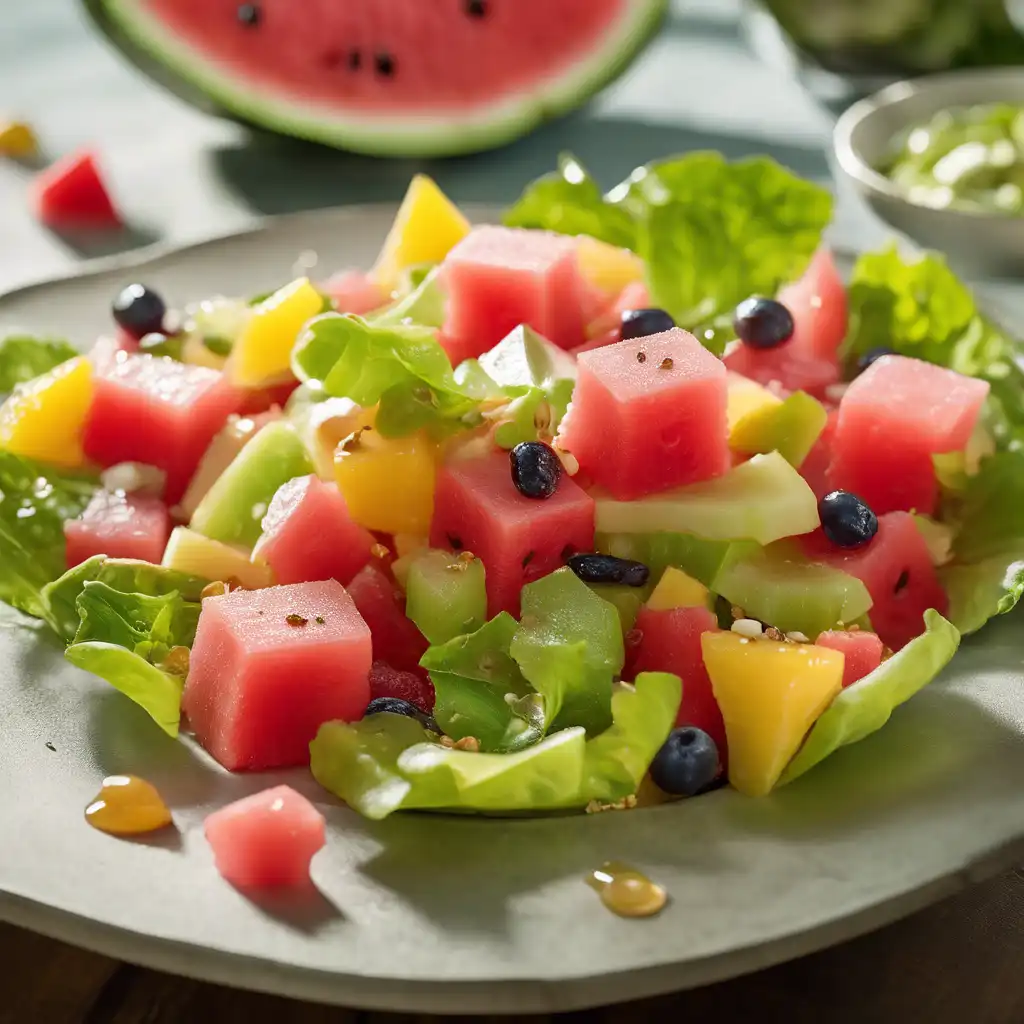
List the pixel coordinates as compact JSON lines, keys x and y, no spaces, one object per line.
{"x":71,"y":194}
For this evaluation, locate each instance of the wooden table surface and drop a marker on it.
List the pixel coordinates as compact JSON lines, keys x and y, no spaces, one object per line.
{"x":959,"y":962}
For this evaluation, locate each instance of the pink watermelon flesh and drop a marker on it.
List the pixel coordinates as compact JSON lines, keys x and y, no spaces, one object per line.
{"x":396,"y":640}
{"x":392,"y":55}
{"x":269,"y":667}
{"x":783,"y":368}
{"x":819,"y":308}
{"x":309,"y":535}
{"x":634,"y":296}
{"x":862,"y":652}
{"x":668,"y":640}
{"x":107,"y":351}
{"x":159,"y":412}
{"x":267,"y":839}
{"x":386,"y":681}
{"x":498,"y":278}
{"x":897,"y":570}
{"x":354,"y":291}
{"x":70,"y":194}
{"x":477,"y":508}
{"x":262,"y":400}
{"x":892,"y":419}
{"x":814,"y":468}
{"x":649,"y":414}
{"x":118,"y":525}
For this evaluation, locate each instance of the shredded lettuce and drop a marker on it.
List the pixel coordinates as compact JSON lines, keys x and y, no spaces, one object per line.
{"x":865,"y":706}
{"x":35,"y":501}
{"x":126,"y":639}
{"x":23,"y":358}
{"x":480,"y":691}
{"x":386,"y":762}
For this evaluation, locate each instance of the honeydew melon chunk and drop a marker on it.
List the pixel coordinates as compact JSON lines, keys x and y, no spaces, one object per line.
{"x":790,"y":428}
{"x":525,"y":357}
{"x":699,"y":558}
{"x":762,"y":500}
{"x":446,"y":595}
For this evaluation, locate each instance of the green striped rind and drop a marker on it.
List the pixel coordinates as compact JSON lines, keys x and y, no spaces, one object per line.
{"x":193,"y":77}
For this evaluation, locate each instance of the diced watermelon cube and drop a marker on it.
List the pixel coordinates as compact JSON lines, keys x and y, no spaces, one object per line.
{"x":386,"y":681}
{"x":309,"y":535}
{"x":159,"y":412}
{"x":267,"y":839}
{"x":819,"y":308}
{"x":256,"y":401}
{"x":498,"y":278}
{"x":270,"y":666}
{"x":354,"y":291}
{"x":668,"y":640}
{"x":634,"y":296}
{"x":478,"y":508}
{"x":396,"y":640}
{"x":892,"y":419}
{"x":118,"y":525}
{"x":862,"y":652}
{"x":896,"y":567}
{"x":70,"y":194}
{"x":649,"y":414}
{"x":785,"y":369}
{"x":814,"y":468}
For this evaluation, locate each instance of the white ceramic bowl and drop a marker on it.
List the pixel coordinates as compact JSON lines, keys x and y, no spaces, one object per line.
{"x":980,"y":242}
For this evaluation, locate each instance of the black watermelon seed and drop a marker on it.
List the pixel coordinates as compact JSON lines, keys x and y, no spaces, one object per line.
{"x":902,"y":581}
{"x":476,"y":8}
{"x":249,"y":15}
{"x":455,"y":542}
{"x":536,"y":469}
{"x":355,"y":60}
{"x":527,"y":558}
{"x":385,"y":64}
{"x":609,"y":569}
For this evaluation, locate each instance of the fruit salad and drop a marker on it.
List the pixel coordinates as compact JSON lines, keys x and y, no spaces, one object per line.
{"x":630,"y":497}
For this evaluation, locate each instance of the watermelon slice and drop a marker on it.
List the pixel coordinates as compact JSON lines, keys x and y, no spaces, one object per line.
{"x":267,"y":839}
{"x":862,"y":652}
{"x":396,"y":640}
{"x":269,"y":667}
{"x":71,"y":194}
{"x":119,"y":525}
{"x":819,"y":307}
{"x":354,"y":291}
{"x":390,"y":77}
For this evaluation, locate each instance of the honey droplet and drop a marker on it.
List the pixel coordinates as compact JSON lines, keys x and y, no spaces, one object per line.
{"x":128,"y":806}
{"x":626,"y":891}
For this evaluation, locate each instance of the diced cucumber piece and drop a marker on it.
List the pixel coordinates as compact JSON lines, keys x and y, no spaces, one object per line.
{"x":702,"y":559}
{"x":789,"y":428}
{"x":762,"y":500}
{"x":626,"y":600}
{"x":233,"y":508}
{"x":445,"y":595}
{"x":524,"y":357}
{"x":781,"y":590}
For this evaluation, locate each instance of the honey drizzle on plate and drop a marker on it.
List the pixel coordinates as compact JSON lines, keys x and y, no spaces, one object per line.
{"x":626,"y":891}
{"x":127,"y":806}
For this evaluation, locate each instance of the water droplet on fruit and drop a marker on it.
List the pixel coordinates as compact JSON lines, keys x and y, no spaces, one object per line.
{"x":626,"y":891}
{"x":127,"y":806}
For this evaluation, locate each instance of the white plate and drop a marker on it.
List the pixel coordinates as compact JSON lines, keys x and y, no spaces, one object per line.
{"x":444,"y":914}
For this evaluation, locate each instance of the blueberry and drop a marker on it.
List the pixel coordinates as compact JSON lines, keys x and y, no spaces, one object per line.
{"x":762,"y":323}
{"x":846,"y":520}
{"x":871,"y":356}
{"x":638,"y":323}
{"x":535,"y":469}
{"x":609,"y":569}
{"x":687,"y":763}
{"x":139,"y":311}
{"x":397,"y":706}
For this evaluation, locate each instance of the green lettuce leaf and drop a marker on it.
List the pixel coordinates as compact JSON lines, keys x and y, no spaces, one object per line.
{"x":982,"y":590}
{"x":569,"y":647}
{"x":124,"y":574}
{"x":989,"y":512}
{"x":125,"y":639}
{"x":533,"y":412}
{"x":569,"y":201}
{"x":865,"y":707}
{"x":480,"y":691}
{"x":384,"y":763}
{"x":35,"y":500}
{"x":423,"y":306}
{"x":23,"y":358}
{"x":615,"y":762}
{"x":918,"y":307}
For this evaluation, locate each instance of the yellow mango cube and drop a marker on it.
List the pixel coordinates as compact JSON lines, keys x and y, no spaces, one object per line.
{"x":192,"y":553}
{"x":262,"y":355}
{"x":770,"y":694}
{"x":677,"y":590}
{"x":388,"y":482}
{"x":427,"y":226}
{"x":43,"y":419}
{"x":17,"y":139}
{"x":607,"y":267}
{"x":744,"y":398}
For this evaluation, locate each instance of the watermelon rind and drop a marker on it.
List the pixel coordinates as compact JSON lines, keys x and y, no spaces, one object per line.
{"x":174,"y":64}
